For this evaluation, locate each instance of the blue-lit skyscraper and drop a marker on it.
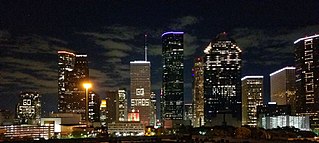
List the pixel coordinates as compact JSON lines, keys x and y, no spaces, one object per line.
{"x":173,"y":80}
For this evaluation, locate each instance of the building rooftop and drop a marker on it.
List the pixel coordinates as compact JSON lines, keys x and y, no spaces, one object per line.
{"x":172,"y":33}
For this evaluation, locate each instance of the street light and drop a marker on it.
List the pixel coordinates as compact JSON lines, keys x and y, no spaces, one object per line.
{"x":87,"y":86}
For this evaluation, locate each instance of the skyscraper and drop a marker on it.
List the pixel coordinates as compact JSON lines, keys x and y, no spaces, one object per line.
{"x":112,"y":108}
{"x":79,"y":74}
{"x":94,"y":107}
{"x":29,"y":108}
{"x":222,"y":82}
{"x":252,"y":96}
{"x":153,"y":109}
{"x":307,"y":75}
{"x":73,"y":72}
{"x":198,"y":93}
{"x":122,"y":105}
{"x":173,"y":77}
{"x":282,"y":87}
{"x":103,"y":113}
{"x":141,"y":89}
{"x":188,"y":114}
{"x":66,"y":65}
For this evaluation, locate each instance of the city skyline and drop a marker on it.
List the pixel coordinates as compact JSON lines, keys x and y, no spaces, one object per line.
{"x":31,"y":35}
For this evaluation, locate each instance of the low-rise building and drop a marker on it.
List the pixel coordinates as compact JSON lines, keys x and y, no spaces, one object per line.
{"x":300,"y":122}
{"x":126,"y":129}
{"x":28,"y":131}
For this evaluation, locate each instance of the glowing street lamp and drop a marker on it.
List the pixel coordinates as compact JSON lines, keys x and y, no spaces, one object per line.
{"x":87,"y":86}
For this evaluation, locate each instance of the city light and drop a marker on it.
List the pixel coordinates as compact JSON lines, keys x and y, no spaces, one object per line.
{"x":87,"y":85}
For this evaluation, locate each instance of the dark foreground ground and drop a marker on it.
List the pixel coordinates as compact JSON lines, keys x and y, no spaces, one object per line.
{"x":167,"y":139}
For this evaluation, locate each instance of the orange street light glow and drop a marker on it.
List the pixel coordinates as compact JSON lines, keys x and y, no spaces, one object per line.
{"x":87,"y":85}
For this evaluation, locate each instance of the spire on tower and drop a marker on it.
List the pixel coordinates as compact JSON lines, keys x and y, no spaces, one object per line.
{"x":145,"y":46}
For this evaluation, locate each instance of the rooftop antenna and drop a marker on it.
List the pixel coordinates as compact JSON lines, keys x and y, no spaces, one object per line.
{"x":145,"y":46}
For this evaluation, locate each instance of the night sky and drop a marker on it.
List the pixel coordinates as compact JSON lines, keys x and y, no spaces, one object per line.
{"x":112,"y":34}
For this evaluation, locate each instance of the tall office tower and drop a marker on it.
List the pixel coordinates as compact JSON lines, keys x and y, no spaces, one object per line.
{"x":29,"y":108}
{"x":307,"y":75}
{"x":80,"y":74}
{"x":94,"y":107}
{"x":73,"y":71}
{"x":198,"y":93}
{"x":112,"y":108}
{"x":122,"y":105}
{"x":141,"y":89}
{"x":80,"y":71}
{"x":66,"y":65}
{"x":153,"y":109}
{"x":283,"y":87}
{"x":173,"y":78}
{"x":222,"y":82}
{"x":103,"y":113}
{"x":252,"y":96}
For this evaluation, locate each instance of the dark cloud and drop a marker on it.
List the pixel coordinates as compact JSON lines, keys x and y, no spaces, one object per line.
{"x":269,"y":44}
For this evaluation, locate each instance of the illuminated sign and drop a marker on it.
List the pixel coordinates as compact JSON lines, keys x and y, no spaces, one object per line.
{"x":140,"y":102}
{"x":140,"y":91}
{"x":133,"y":116}
{"x":26,"y":102}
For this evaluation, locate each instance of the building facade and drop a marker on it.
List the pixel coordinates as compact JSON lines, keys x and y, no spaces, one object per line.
{"x":29,"y":108}
{"x":153,"y":109}
{"x":173,"y":77}
{"x":252,"y":96}
{"x":122,"y":105}
{"x":140,"y":73}
{"x":80,"y":74}
{"x":103,"y":113}
{"x":66,"y":65}
{"x":222,"y":81}
{"x":300,"y":122}
{"x":188,"y":117}
{"x":94,"y":107}
{"x":198,"y":93}
{"x":283,"y":87}
{"x":73,"y":72}
{"x":307,"y":75}
{"x":112,"y":108}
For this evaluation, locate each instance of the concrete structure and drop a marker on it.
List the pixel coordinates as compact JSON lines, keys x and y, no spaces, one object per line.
{"x":29,"y":108}
{"x":140,"y":73}
{"x":300,"y":122}
{"x":173,"y":78}
{"x":27,"y":131}
{"x":271,"y":110}
{"x":121,"y":103}
{"x":126,"y":129}
{"x":66,"y":66}
{"x":222,"y":85}
{"x":307,"y":75}
{"x":252,"y":96}
{"x":94,"y":107}
{"x":112,"y":108}
{"x":153,"y":109}
{"x":282,"y":87}
{"x":63,"y":123}
{"x":73,"y":72}
{"x":198,"y":93}
{"x":188,"y":117}
{"x":103,"y":113}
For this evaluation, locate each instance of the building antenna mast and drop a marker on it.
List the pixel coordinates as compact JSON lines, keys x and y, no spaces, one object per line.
{"x":145,"y":47}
